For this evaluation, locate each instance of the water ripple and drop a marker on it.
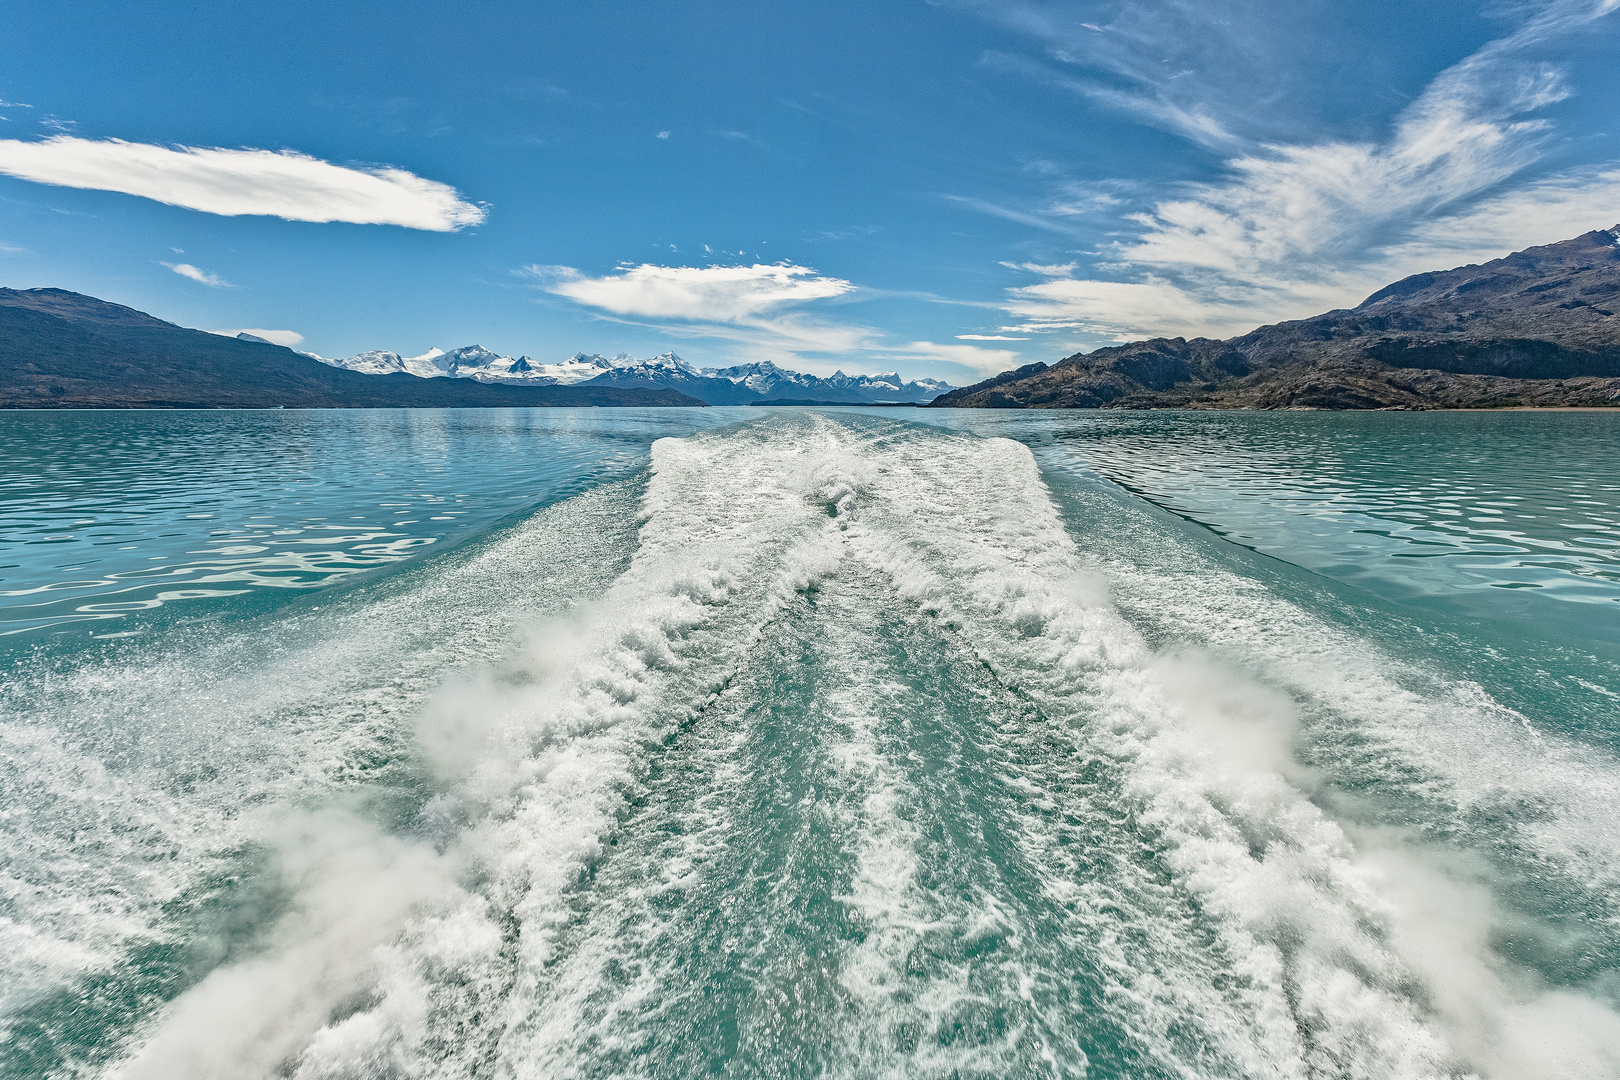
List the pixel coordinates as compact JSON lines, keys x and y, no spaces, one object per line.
{"x":107,"y":515}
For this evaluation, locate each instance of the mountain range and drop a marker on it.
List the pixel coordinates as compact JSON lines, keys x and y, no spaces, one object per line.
{"x":746,"y":384}
{"x":61,"y":349}
{"x":1536,"y":328}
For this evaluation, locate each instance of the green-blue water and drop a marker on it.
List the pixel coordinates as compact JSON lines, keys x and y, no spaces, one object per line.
{"x":857,"y":743}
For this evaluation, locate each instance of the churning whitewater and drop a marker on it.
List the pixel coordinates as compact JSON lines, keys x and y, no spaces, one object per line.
{"x":829,"y":746}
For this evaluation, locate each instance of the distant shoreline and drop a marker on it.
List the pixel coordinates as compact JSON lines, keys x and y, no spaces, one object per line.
{"x":784,"y":404}
{"x":1287,"y":408}
{"x":808,"y":403}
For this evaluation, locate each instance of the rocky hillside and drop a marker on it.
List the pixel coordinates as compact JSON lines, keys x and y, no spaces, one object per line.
{"x":63,"y":350}
{"x":1538,"y":327}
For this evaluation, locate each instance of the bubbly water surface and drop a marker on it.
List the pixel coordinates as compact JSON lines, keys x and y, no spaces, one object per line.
{"x":840,"y":744}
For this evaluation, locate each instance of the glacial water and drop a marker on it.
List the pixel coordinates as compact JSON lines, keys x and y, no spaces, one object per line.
{"x":105,"y":515}
{"x":843,"y":743}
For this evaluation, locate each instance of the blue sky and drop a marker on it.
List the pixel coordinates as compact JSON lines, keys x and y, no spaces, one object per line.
{"x":946,"y":189}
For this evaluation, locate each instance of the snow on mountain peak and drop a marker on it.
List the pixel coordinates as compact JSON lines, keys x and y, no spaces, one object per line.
{"x":470,"y":356}
{"x":759,"y":380}
{"x":383,"y":362}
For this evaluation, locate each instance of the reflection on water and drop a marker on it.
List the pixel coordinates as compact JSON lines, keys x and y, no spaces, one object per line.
{"x":106,"y":514}
{"x":108,"y":518}
{"x":1489,"y":515}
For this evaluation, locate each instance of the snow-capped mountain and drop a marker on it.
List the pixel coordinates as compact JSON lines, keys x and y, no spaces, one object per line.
{"x":739,"y":385}
{"x":669,"y":370}
{"x":382,"y":362}
{"x":477,"y":362}
{"x":576,"y":369}
{"x":769,"y":381}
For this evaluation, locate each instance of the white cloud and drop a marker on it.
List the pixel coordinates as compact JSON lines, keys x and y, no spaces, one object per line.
{"x":983,"y":361}
{"x":662,"y":135}
{"x":988,"y":337}
{"x":753,"y":307}
{"x":1554,"y":208}
{"x":699,"y":293}
{"x":756,"y":310}
{"x":186,"y":270}
{"x":1300,"y":226}
{"x":290,"y":338}
{"x":1125,"y":310}
{"x":1051,"y":270}
{"x":282,"y":183}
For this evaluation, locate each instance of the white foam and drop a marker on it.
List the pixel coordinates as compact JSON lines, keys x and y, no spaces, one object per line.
{"x":353,"y":889}
{"x":1228,"y":893}
{"x":1300,"y":909}
{"x":134,"y":785}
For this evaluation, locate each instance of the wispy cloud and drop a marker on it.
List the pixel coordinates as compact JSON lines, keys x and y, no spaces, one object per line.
{"x":282,"y":183}
{"x":983,"y":361}
{"x":1216,"y":72}
{"x":1023,"y":217}
{"x":1297,"y":225}
{"x":186,"y":270}
{"x":1051,"y":270}
{"x":1145,"y":100}
{"x":852,"y":232}
{"x":1124,"y":310}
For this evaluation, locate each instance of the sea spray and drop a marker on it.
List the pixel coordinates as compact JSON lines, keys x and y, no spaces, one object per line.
{"x":863,"y":754}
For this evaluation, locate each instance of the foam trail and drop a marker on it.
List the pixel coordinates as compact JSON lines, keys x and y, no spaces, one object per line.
{"x":856,"y":763}
{"x":353,"y":888}
{"x":555,"y":741}
{"x":146,"y":792}
{"x":1480,"y":827}
{"x":1296,"y":899}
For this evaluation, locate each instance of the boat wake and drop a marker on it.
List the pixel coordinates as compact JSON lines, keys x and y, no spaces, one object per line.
{"x":851,"y":759}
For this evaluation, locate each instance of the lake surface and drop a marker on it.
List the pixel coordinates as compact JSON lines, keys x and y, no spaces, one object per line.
{"x":832,"y":742}
{"x":206,"y":514}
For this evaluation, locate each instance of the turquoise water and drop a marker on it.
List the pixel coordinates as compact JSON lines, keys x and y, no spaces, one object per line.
{"x":109,"y":515}
{"x":814,"y":743}
{"x":1444,"y":512}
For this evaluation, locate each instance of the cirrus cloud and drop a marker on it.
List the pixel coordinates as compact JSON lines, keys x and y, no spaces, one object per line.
{"x":186,"y":270}
{"x":1297,"y":224}
{"x":214,"y":180}
{"x":981,"y":360}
